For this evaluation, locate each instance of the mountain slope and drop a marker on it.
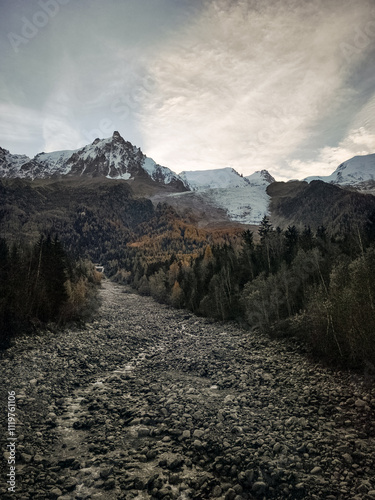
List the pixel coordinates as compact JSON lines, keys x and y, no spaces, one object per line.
{"x":317,"y":204}
{"x":83,"y":211}
{"x":100,"y":219}
{"x":54,"y":163}
{"x":246,"y":205}
{"x":244,"y":199}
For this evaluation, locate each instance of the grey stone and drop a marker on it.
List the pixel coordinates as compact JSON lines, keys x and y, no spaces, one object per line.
{"x":105,"y":473}
{"x":276,"y":447}
{"x":259,"y":487}
{"x":360,"y":403}
{"x":70,"y":483}
{"x":230,"y":494}
{"x":186,"y":434}
{"x":198,"y":433}
{"x":143,"y":431}
{"x":216,"y":492}
{"x":26,"y":458}
{"x":55,"y":493}
{"x":109,"y":484}
{"x":316,"y":470}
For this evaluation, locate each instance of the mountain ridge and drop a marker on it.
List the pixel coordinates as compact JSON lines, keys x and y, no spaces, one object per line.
{"x":218,"y":196}
{"x":116,"y":158}
{"x":112,"y":157}
{"x":222,"y":194}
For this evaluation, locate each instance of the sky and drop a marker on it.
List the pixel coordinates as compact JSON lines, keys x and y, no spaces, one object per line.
{"x":282,"y":85}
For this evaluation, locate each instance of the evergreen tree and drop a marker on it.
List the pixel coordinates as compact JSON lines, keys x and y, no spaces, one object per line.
{"x":265,"y":231}
{"x":291,"y":245}
{"x":247,"y":259}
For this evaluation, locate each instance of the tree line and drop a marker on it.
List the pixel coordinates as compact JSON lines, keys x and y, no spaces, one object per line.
{"x":308,"y":284}
{"x":41,"y":284}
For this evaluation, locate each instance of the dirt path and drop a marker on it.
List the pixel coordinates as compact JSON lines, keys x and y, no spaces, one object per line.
{"x":150,"y":402}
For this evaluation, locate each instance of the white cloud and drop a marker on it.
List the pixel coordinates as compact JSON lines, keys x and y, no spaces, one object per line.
{"x":365,"y":116}
{"x":20,"y":128}
{"x":357,"y":142}
{"x":59,"y":134}
{"x":60,"y":129}
{"x":245,"y":84}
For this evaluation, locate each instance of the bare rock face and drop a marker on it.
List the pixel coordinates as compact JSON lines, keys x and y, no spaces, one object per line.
{"x":10,"y":165}
{"x":149,"y":402}
{"x":112,"y":158}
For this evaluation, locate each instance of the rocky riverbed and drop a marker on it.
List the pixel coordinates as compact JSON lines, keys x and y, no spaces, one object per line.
{"x":149,"y":402}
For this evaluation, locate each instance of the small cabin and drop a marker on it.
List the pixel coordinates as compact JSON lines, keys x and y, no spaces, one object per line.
{"x":99,"y":268}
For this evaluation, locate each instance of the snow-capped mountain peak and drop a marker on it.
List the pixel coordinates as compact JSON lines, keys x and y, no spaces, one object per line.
{"x":55,"y":162}
{"x":260,"y":177}
{"x":159,"y":173}
{"x":358,"y":171}
{"x":198,"y":180}
{"x":244,"y":198}
{"x":223,"y":178}
{"x":11,"y":163}
{"x":112,"y":157}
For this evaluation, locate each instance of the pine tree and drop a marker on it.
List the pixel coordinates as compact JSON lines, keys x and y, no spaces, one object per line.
{"x":291,"y":245}
{"x":265,"y":230}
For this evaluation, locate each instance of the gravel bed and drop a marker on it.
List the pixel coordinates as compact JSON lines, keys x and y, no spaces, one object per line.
{"x":148,"y":402}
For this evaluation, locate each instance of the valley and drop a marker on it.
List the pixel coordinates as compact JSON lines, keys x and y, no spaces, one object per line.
{"x":243,"y":389}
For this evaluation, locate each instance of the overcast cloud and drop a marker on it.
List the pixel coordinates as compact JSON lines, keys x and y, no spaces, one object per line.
{"x":285,"y":85}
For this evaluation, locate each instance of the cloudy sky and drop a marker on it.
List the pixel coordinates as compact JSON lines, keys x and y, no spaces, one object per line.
{"x":285,"y":85}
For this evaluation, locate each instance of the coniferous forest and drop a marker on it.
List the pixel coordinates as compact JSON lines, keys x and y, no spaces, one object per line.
{"x":312,"y":286}
{"x":41,"y":285}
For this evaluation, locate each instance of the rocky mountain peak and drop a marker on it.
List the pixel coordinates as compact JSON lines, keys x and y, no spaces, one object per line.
{"x":267,"y":176}
{"x":116,"y":135}
{"x":260,"y":177}
{"x":113,"y":157}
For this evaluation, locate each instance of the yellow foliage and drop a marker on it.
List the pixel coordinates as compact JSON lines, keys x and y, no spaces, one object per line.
{"x":77,"y":294}
{"x":208,"y":255}
{"x":173,"y":273}
{"x":177,"y":295}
